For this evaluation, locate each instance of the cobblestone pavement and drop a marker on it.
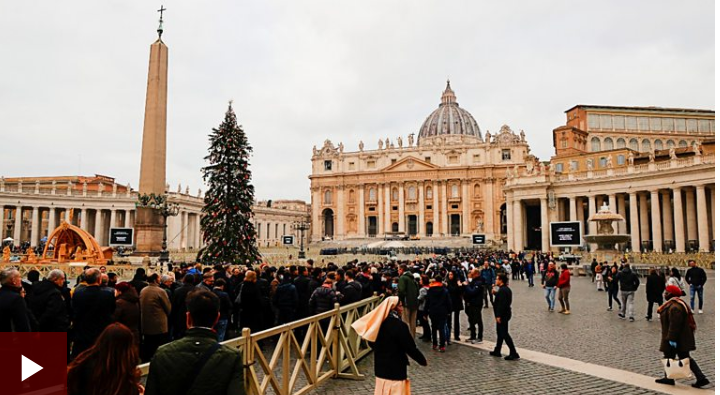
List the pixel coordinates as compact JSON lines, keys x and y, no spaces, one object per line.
{"x":590,"y":334}
{"x":464,"y":370}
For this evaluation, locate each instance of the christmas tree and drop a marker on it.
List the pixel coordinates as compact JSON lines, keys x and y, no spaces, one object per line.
{"x":227,"y":226}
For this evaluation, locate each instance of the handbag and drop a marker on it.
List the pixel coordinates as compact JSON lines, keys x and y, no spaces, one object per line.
{"x":677,"y":368}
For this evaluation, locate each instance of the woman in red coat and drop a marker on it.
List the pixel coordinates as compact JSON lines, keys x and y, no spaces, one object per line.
{"x":563,"y":286}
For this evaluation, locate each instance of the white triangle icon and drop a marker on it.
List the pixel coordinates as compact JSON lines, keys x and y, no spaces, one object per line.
{"x":29,"y":368}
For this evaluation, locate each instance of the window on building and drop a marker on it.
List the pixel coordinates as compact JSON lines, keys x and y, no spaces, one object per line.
{"x":605,"y":122}
{"x":634,"y":145}
{"x":351,"y":166}
{"x":267,"y":234}
{"x":658,"y":144}
{"x":680,"y":125}
{"x":619,"y":122}
{"x":608,"y":144}
{"x":476,"y":158}
{"x":428,"y":159}
{"x":372,"y":195}
{"x":563,"y":143}
{"x":670,"y":144}
{"x":393,"y":161}
{"x":454,"y":191}
{"x":559,"y":168}
{"x":412,"y":193}
{"x":371,"y":164}
{"x":704,"y":126}
{"x":682,"y":144}
{"x":284,"y":229}
{"x":328,"y":197}
{"x":328,"y":165}
{"x":656,"y":124}
{"x":428,"y":193}
{"x":594,"y":144}
{"x":603,"y":162}
{"x":259,"y":232}
{"x":593,"y":121}
{"x":395,"y":194}
{"x":621,"y":160}
{"x":668,"y":125}
{"x":277,"y":226}
{"x":476,"y":190}
{"x":573,"y":165}
{"x":351,"y":196}
{"x":453,"y":159}
{"x":506,"y":154}
{"x":646,"y":145}
{"x":692,"y":125}
{"x":620,"y":143}
{"x":643,"y":123}
{"x":631,"y":123}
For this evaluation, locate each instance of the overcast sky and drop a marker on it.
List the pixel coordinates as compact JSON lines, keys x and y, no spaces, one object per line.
{"x":73,"y":75}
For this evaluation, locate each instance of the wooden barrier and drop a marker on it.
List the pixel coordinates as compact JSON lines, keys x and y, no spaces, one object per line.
{"x":330,"y":348}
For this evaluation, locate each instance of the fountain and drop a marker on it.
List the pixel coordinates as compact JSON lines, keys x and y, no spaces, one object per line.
{"x":605,"y":239}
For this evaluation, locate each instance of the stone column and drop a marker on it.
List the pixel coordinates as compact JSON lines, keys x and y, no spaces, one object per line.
{"x":573,"y":208}
{"x":388,"y":212}
{"x":443,"y":209}
{"x":517,"y":226}
{"x":544,"y":224}
{"x":361,"y":231}
{"x":18,"y":225}
{"x":185,"y":226}
{"x":436,"y":210}
{"x":622,"y":225}
{"x":634,"y":228}
{"x":691,"y":215}
{"x":421,"y":208}
{"x":52,"y":221}
{"x":316,"y":215}
{"x":340,"y":222}
{"x":126,"y":222}
{"x":466,"y":227}
{"x":490,"y":213}
{"x":35,"y":227}
{"x":113,"y":218}
{"x":612,"y":204}
{"x":401,"y":208}
{"x":83,"y":219}
{"x":667,"y":220}
{"x":198,"y":230}
{"x":644,"y":220}
{"x":98,"y":232}
{"x":2,"y":222}
{"x":679,"y":220}
{"x":380,"y":210}
{"x":656,"y":225}
{"x":509,"y":221}
{"x":67,"y":215}
{"x":703,"y":230}
{"x":581,"y":216}
{"x":592,"y":226}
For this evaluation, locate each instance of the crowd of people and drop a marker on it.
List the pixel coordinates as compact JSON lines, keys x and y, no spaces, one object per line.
{"x":193,"y":307}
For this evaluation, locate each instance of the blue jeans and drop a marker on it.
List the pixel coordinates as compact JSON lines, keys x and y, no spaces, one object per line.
{"x":550,"y":297}
{"x":531,"y":281}
{"x":221,"y":328}
{"x":693,"y":290}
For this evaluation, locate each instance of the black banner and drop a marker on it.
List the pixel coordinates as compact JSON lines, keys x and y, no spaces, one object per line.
{"x":121,"y":236}
{"x":288,"y":240}
{"x":478,"y":239}
{"x":565,"y":234}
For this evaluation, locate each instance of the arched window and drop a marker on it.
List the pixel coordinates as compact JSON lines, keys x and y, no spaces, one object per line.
{"x":395,"y":195}
{"x":682,"y":144}
{"x":620,"y":143}
{"x":595,"y":144}
{"x":372,"y":195}
{"x":428,"y":193}
{"x":608,"y":144}
{"x":633,"y":144}
{"x":645,"y":145}
{"x":328,"y":197}
{"x":412,"y":193}
{"x":476,"y":190}
{"x":671,"y":144}
{"x":454,"y":191}
{"x":351,"y":196}
{"x":659,"y":144}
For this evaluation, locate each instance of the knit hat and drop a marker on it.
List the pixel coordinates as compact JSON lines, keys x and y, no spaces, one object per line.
{"x":673,"y":290}
{"x":123,"y":286}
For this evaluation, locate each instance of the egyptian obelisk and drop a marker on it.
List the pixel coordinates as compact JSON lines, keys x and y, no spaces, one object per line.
{"x":148,"y":222}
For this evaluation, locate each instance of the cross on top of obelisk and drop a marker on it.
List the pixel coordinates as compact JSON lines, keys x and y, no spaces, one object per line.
{"x":160,"y":28}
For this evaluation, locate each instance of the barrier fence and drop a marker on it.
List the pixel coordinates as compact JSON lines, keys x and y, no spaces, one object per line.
{"x":306,"y":352}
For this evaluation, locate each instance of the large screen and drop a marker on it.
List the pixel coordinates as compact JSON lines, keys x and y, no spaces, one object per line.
{"x":565,"y":234}
{"x":121,"y":236}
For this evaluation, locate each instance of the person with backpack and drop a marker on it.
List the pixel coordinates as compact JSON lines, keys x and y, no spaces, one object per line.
{"x":487,"y":279}
{"x":629,"y":283}
{"x":408,"y":291}
{"x":438,"y":306}
{"x":474,"y":292}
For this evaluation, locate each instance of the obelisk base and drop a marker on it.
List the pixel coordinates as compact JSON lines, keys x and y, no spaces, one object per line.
{"x":148,"y":232}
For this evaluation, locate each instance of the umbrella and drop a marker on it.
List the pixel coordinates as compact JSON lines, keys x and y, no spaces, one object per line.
{"x":8,"y":239}
{"x":44,"y":239}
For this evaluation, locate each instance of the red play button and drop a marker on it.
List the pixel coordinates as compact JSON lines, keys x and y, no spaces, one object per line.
{"x":33,"y":363}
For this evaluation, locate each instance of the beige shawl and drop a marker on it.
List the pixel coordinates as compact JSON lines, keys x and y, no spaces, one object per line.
{"x":368,"y":325}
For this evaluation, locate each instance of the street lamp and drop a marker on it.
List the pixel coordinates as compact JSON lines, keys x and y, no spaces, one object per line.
{"x":302,"y":226}
{"x":165,"y":209}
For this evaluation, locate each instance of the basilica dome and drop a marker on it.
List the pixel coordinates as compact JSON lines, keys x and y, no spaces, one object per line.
{"x":449,"y":118}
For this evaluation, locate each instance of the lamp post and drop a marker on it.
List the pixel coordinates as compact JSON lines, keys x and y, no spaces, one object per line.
{"x":165,"y":209}
{"x":302,"y":226}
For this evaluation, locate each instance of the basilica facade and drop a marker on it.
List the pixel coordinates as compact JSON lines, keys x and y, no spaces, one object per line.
{"x":447,"y":182}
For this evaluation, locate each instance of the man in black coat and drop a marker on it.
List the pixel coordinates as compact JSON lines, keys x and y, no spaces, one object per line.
{"x":13,"y":311}
{"x":286,"y":300}
{"x":93,"y":309}
{"x":654,"y":291}
{"x":503,"y":312}
{"x":352,"y":291}
{"x":474,"y":293}
{"x":48,"y":304}
{"x":179,"y":307}
{"x":696,"y":278}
